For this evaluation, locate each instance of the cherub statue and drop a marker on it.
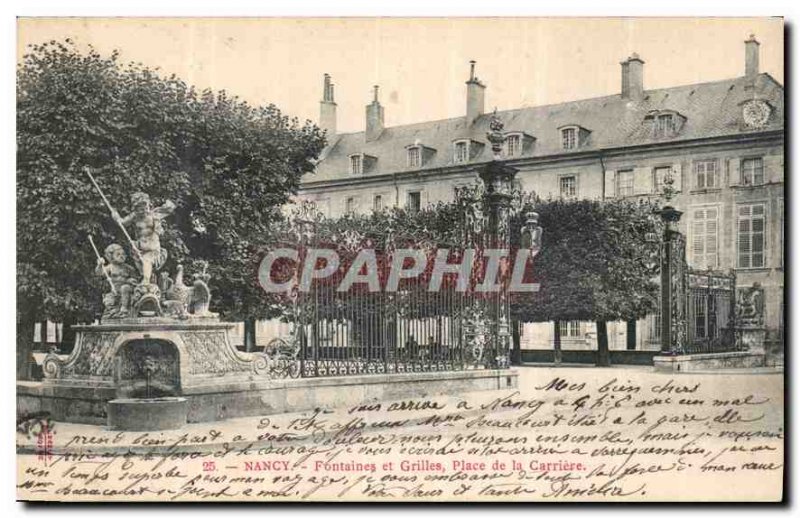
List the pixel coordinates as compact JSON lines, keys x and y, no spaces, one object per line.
{"x":122,"y":277}
{"x":749,"y":306}
{"x":147,"y":222}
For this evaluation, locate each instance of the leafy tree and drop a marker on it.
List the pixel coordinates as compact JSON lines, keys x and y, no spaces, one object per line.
{"x":227,"y":165}
{"x":596,"y":264}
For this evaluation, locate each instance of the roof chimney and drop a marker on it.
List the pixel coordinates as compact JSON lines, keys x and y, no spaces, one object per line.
{"x":374,"y":117}
{"x":475,"y":94}
{"x":327,"y":108}
{"x":751,"y":56}
{"x":633,"y":78}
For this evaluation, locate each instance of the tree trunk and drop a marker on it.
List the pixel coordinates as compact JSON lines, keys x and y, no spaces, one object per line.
{"x":42,"y":335}
{"x":25,"y":327}
{"x":630,"y":335}
{"x":68,"y":334}
{"x":557,"y":342}
{"x":516,"y":348}
{"x":250,"y":334}
{"x":603,"y":356}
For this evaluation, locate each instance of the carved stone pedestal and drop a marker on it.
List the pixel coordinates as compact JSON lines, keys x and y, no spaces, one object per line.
{"x":118,"y":371}
{"x":143,"y":359}
{"x":752,"y":338}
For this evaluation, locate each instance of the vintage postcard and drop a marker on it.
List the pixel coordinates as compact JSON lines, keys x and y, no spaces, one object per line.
{"x":400,"y":259}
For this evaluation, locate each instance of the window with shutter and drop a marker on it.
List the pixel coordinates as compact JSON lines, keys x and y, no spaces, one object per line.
{"x":705,"y":238}
{"x":752,"y":171}
{"x":751,"y":236}
{"x":568,"y":186}
{"x":625,"y":183}
{"x":705,"y":173}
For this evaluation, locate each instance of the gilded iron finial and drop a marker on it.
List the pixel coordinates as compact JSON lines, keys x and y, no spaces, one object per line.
{"x":668,"y":190}
{"x":495,"y":136}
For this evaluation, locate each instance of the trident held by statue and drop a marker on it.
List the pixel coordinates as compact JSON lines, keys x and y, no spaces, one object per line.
{"x":105,"y":272}
{"x":110,"y":208}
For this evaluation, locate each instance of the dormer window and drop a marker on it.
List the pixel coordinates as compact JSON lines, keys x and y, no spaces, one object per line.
{"x":665,"y":123}
{"x":461,"y":152}
{"x":361,"y":163}
{"x":573,"y":137}
{"x":514,"y":145}
{"x":356,"y":164}
{"x":465,"y":150}
{"x":517,"y":143}
{"x":569,"y":138}
{"x":418,"y":155}
{"x":414,"y":157}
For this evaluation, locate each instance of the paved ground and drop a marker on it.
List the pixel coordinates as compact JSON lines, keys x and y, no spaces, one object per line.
{"x":530,"y":377}
{"x":632,"y":428}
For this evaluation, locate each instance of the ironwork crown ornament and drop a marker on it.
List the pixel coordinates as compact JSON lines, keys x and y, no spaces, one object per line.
{"x":495,"y":136}
{"x":668,"y":190}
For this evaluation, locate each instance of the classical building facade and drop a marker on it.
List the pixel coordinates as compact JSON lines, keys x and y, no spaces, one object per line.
{"x":722,"y":141}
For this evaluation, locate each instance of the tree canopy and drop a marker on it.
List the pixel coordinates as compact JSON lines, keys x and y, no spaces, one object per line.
{"x":597,"y":263}
{"x":227,"y":165}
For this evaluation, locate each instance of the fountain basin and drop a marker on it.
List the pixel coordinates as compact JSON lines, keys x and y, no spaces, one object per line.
{"x":147,"y":414}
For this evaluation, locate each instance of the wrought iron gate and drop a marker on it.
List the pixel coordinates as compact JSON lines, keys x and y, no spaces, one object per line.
{"x":412,"y":329}
{"x":697,"y":307}
{"x":710,"y":304}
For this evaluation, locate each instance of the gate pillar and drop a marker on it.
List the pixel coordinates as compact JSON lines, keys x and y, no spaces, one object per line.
{"x":673,"y":266}
{"x":498,"y":181}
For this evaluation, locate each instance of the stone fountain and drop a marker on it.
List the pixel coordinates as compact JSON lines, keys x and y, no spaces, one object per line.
{"x":159,"y":357}
{"x":157,"y":340}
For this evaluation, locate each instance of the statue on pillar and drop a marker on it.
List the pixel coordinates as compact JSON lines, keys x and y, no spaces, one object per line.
{"x":147,"y":223}
{"x":750,"y":306}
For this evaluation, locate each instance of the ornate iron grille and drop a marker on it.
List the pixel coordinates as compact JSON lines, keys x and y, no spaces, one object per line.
{"x":697,"y":307}
{"x":710,"y":304}
{"x":409,"y":330}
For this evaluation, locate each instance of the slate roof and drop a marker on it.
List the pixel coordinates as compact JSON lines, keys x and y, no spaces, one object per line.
{"x":711,"y":110}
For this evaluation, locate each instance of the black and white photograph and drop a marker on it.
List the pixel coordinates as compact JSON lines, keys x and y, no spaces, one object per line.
{"x":400,"y":259}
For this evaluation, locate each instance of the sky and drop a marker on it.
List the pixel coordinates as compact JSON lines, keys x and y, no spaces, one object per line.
{"x":420,"y":64}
